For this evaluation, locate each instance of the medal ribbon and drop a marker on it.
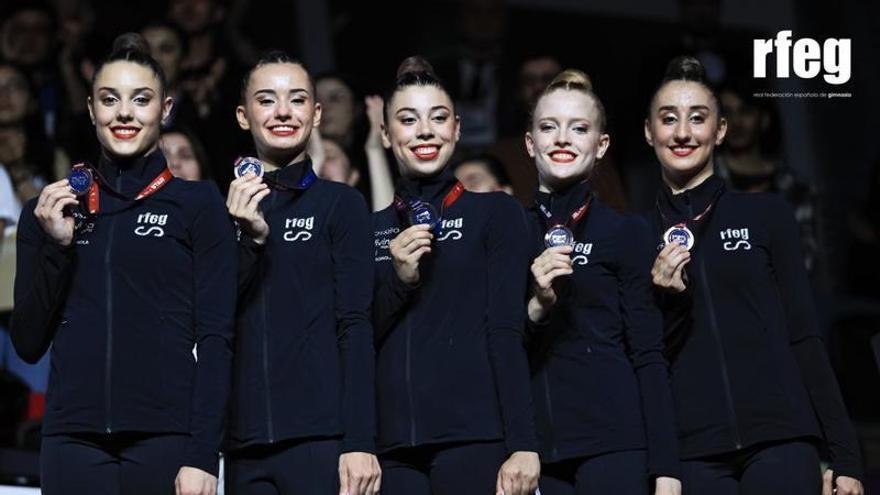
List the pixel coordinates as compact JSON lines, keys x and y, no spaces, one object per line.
{"x":94,"y":195}
{"x":573,"y":219}
{"x":304,"y":183}
{"x":403,"y":207}
{"x":688,"y":221}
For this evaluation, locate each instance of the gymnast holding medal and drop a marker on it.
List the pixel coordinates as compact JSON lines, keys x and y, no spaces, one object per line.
{"x":452,"y":374}
{"x":602,"y":400}
{"x":303,"y":412}
{"x":124,"y":270}
{"x":755,"y":396}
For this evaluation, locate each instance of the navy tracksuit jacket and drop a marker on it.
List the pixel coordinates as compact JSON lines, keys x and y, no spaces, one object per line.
{"x":451,"y":364}
{"x":304,"y":356}
{"x":124,"y":305}
{"x":748,"y":365}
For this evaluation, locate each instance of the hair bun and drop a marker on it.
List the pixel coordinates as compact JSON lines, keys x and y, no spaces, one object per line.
{"x":415,"y":65}
{"x":572,"y":77}
{"x":131,"y":42}
{"x":685,"y":68}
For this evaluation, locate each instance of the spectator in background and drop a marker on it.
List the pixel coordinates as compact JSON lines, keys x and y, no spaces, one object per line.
{"x":341,"y":109}
{"x":336,"y":165}
{"x":184,"y":153}
{"x":750,"y":161}
{"x":24,"y":150}
{"x":168,"y":46}
{"x":482,"y":173}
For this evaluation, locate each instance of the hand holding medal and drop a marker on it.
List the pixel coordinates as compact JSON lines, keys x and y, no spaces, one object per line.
{"x":407,"y":250}
{"x":245,"y":194}
{"x":668,"y":270}
{"x":554,"y":262}
{"x":50,"y":211}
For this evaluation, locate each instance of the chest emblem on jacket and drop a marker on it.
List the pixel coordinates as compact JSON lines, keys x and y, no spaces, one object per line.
{"x":580,"y":252}
{"x":736,"y":239}
{"x":451,"y":229}
{"x":298,"y":229}
{"x":151,"y":225}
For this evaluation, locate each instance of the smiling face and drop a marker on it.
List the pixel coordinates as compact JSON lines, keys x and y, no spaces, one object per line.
{"x":127,"y":106}
{"x":683,"y":128}
{"x":566,"y":138}
{"x":421,"y":129}
{"x":280,"y":112}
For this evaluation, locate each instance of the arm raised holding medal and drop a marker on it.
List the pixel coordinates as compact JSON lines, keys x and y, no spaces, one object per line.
{"x":552,"y":263}
{"x":243,"y":201}
{"x":668,"y":270}
{"x":49,"y":212}
{"x":407,"y":250}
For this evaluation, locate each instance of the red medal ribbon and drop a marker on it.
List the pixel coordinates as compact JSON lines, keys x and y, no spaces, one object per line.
{"x":153,"y":187}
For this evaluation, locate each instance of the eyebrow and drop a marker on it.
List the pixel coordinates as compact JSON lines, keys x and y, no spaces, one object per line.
{"x":673,"y":108}
{"x":410,"y":109}
{"x":116,"y":91}
{"x":272,"y":91}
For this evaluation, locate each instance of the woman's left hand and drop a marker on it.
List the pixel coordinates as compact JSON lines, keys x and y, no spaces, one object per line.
{"x":844,"y":485}
{"x":665,"y":485}
{"x":194,"y":481}
{"x":519,"y":474}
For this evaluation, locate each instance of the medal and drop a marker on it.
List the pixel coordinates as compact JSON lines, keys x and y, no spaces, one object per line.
{"x":680,"y":234}
{"x":558,"y":235}
{"x":247,"y":164}
{"x":80,"y":180}
{"x":424,"y":214}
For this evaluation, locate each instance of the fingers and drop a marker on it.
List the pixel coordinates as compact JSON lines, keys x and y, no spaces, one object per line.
{"x":344,"y":482}
{"x":376,"y":486}
{"x":410,"y":241}
{"x":499,"y":484}
{"x":828,"y":482}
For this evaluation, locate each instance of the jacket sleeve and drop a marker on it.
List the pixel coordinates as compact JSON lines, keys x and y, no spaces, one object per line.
{"x":215,"y":265}
{"x":43,"y":273}
{"x":507,"y":272}
{"x":350,"y":238}
{"x":643,"y":326}
{"x":390,"y":293}
{"x":806,"y":343}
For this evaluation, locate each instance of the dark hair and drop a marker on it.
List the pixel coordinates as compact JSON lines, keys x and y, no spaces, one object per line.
{"x":685,"y":68}
{"x":132,"y":47}
{"x":174,"y":28}
{"x":414,"y":71}
{"x":274,"y":57}
{"x":493,"y":166}
{"x":197,"y":147}
{"x":14,"y":7}
{"x":573,"y":80}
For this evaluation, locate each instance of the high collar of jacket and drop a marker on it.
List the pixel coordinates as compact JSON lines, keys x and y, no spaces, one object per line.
{"x":690,"y":202}
{"x":563,"y":202}
{"x":292,"y":174}
{"x":137,"y":172}
{"x":431,"y":189}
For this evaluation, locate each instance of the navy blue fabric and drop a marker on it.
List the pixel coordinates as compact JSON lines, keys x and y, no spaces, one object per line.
{"x":304,"y":359}
{"x":787,"y":468}
{"x":599,"y":376}
{"x":299,"y":467}
{"x":123,"y":306}
{"x":117,"y":464}
{"x":748,"y":364}
{"x":621,"y":473}
{"x":443,"y":469}
{"x":452,"y":366}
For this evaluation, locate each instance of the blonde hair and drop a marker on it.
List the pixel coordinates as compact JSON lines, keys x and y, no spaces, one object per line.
{"x":573,"y":80}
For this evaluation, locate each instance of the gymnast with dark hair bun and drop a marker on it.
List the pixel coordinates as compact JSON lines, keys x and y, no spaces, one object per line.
{"x":756,"y":398}
{"x":128,"y":275}
{"x":455,"y":411}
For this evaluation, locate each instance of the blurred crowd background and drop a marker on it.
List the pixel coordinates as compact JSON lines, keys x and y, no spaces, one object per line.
{"x":496,"y":56}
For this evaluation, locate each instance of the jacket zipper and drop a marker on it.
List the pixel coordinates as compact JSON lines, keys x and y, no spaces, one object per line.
{"x":108,"y":363}
{"x":713,"y":324}
{"x":409,"y":392}
{"x":553,"y":450}
{"x":263,"y":296}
